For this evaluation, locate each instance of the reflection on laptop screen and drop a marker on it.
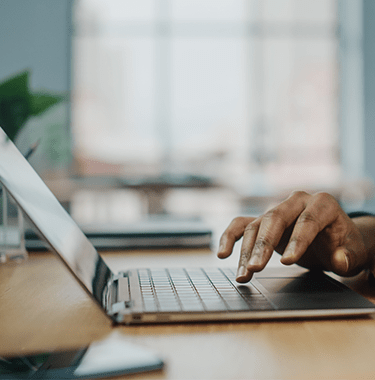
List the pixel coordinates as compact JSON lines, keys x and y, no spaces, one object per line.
{"x":52,"y":221}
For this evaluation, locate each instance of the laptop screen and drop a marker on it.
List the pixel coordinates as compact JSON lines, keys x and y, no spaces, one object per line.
{"x":52,"y":221}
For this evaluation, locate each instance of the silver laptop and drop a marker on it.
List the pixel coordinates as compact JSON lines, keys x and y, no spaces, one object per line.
{"x":173,"y":294}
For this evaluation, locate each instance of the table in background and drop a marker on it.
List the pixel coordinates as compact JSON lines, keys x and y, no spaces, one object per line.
{"x":43,"y":308}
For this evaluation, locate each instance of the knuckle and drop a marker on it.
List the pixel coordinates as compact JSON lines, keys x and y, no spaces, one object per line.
{"x":314,"y":226}
{"x":299,"y":194}
{"x":244,"y":258}
{"x":245,"y":255}
{"x":251,"y":227}
{"x":233,"y":226}
{"x":230,"y":235}
{"x":262,"y":243}
{"x":309,"y":218}
{"x":238,"y":219}
{"x":276,"y":214}
{"x":328,"y":202}
{"x":324,"y":197}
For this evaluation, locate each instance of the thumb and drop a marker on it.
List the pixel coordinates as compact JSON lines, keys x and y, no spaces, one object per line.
{"x":346,"y":262}
{"x":340,"y":261}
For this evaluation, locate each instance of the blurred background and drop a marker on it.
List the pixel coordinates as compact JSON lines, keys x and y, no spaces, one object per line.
{"x":196,"y":109}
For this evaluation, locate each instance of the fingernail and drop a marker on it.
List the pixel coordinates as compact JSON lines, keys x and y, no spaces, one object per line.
{"x":343,"y":261}
{"x":241,"y":272}
{"x":220,"y":251}
{"x":289,"y":252}
{"x":346,"y":263}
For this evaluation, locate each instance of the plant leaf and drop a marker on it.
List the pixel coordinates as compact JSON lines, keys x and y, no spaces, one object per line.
{"x":14,"y":112}
{"x":17,"y":86}
{"x":17,"y":104}
{"x":40,"y":102}
{"x":14,"y":103}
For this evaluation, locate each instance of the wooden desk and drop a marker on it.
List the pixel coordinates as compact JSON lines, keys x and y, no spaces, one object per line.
{"x":43,"y":308}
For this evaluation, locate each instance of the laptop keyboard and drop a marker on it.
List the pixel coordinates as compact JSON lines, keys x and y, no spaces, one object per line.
{"x":197,"y":290}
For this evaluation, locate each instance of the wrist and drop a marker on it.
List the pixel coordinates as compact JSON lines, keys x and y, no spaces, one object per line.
{"x":365,"y":222}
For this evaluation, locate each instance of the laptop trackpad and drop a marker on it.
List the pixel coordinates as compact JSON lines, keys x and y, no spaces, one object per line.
{"x":303,"y":284}
{"x":309,"y":291}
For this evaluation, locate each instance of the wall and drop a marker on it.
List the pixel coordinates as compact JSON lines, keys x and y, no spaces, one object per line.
{"x":36,"y":35}
{"x":369,"y":91}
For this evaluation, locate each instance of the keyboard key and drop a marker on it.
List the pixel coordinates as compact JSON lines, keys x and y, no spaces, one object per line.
{"x":187,"y":304}
{"x":259,"y":303}
{"x":169,"y":309}
{"x":205,"y":289}
{"x":237,"y":305}
{"x":214,"y":305}
{"x":187,"y":295}
{"x":192,"y":308}
{"x":175,"y":289}
{"x":185,"y":288}
{"x":247,"y":289}
{"x":208,"y":296}
{"x":149,"y":296}
{"x":150,"y":309}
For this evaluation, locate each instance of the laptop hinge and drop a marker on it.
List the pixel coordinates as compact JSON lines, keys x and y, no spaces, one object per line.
{"x":120,"y":293}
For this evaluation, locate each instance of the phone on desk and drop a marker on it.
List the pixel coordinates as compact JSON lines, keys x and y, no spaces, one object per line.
{"x":110,"y":357}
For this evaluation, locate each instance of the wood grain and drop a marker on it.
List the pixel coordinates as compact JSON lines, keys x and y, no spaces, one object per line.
{"x":42,"y":308}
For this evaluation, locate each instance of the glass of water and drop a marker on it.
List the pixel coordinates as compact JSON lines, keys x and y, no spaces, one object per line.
{"x":12,"y":229}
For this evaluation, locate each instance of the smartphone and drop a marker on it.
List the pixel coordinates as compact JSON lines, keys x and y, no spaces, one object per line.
{"x":112,"y":356}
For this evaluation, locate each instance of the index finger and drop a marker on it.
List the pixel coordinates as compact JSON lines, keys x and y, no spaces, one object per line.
{"x":321,"y":211}
{"x":257,"y":251}
{"x":233,"y":233}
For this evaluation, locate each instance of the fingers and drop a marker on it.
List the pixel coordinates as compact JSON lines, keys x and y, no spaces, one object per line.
{"x":358,"y":248}
{"x":346,"y":262}
{"x":249,"y":238}
{"x":262,"y":235}
{"x":307,"y":214}
{"x":340,"y":261}
{"x":233,"y":233}
{"x":350,"y":258}
{"x":259,"y":244}
{"x":320,"y":211}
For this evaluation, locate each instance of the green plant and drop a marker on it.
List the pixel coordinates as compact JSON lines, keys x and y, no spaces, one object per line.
{"x":18,"y":104}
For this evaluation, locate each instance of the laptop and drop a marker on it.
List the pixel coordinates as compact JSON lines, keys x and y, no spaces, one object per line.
{"x":150,"y":295}
{"x":150,"y":233}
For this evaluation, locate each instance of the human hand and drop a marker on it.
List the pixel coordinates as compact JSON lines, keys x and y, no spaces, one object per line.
{"x":310,"y":230}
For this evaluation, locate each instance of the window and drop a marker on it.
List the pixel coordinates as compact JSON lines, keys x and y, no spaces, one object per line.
{"x":242,"y":91}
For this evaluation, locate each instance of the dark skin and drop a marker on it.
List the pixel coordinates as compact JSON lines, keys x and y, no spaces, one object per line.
{"x":310,"y":230}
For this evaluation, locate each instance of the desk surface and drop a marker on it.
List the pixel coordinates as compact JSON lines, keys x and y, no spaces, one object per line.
{"x":43,"y":308}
